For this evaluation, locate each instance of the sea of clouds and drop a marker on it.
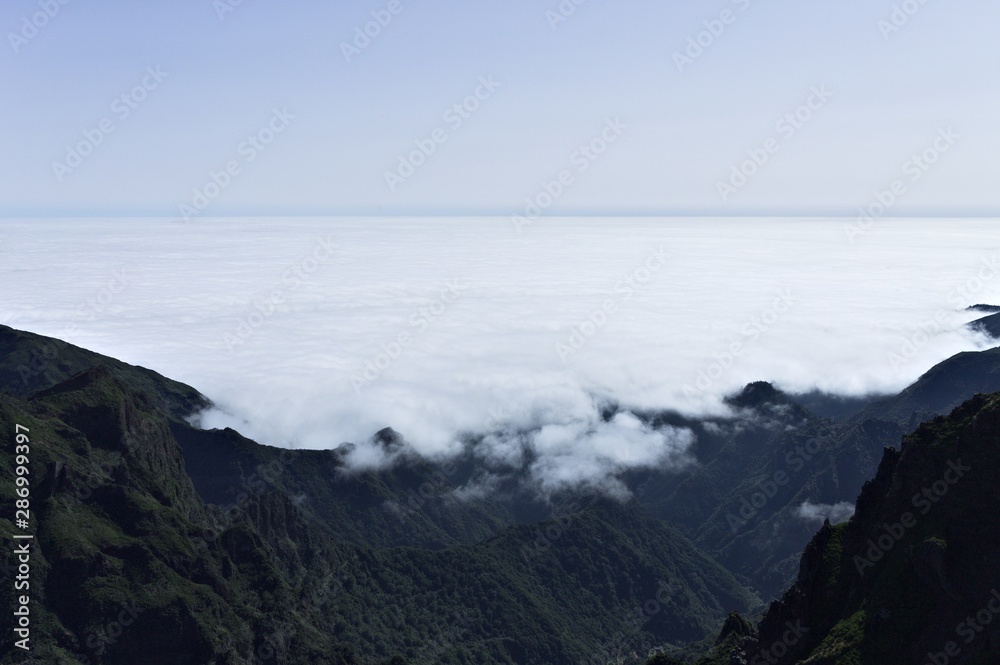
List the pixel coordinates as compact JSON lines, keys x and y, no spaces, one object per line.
{"x":314,"y":332}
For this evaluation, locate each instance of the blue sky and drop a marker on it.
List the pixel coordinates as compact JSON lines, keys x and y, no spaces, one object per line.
{"x":328,"y":128}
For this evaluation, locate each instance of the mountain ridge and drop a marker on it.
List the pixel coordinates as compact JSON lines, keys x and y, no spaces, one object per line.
{"x":120,"y":521}
{"x":233,"y":530}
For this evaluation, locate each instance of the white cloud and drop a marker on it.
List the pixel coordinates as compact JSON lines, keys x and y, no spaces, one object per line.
{"x":485,"y":361}
{"x":584,"y":453}
{"x":817,"y":512}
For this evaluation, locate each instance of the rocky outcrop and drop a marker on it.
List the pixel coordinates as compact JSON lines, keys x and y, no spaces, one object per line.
{"x":907,"y":577}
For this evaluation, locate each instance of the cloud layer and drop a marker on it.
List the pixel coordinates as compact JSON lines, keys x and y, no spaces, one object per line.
{"x":313,"y":332}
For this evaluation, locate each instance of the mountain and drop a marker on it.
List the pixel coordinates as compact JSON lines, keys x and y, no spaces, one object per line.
{"x":30,"y":362}
{"x":158,"y":542}
{"x":155,"y":542}
{"x":914,"y":576}
{"x":769,"y":474}
{"x":988,"y":324}
{"x":128,"y":564}
{"x":409,"y":504}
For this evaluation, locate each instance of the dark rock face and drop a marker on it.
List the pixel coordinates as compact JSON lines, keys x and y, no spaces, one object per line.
{"x":121,"y":421}
{"x":735,"y":627}
{"x":901,"y":580}
{"x":742,"y":501}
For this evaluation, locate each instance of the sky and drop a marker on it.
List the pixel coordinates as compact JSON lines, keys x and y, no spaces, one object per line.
{"x":309,"y":332}
{"x":196,"y":108}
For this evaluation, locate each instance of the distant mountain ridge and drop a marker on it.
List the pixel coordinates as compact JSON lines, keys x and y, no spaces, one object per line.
{"x":232,"y":549}
{"x":756,"y":470}
{"x":914,"y":576}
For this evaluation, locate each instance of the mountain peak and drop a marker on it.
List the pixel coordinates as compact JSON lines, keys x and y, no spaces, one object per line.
{"x":757,"y":394}
{"x":389,"y":439}
{"x":735,"y":625}
{"x":922,"y":537}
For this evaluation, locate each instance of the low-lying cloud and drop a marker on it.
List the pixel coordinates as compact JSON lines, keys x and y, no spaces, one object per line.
{"x":581,"y":452}
{"x":818,"y":512}
{"x":319,"y":301}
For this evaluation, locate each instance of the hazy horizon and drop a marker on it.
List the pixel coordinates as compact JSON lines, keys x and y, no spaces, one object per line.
{"x":514,"y":165}
{"x":470,"y":276}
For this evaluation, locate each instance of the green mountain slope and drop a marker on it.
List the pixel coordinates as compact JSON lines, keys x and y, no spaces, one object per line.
{"x":742,"y":502}
{"x":132,"y":564}
{"x":121,"y":537}
{"x":30,"y":362}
